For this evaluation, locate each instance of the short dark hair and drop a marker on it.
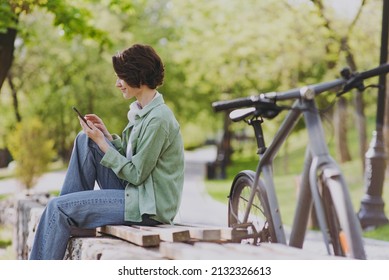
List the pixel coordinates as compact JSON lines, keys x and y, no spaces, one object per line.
{"x":139,"y":65}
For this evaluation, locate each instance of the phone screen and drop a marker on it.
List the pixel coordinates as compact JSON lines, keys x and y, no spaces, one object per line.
{"x":80,"y":115}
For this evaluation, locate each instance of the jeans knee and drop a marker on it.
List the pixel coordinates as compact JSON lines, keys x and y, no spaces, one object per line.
{"x":81,"y":137}
{"x":58,"y":208}
{"x":82,"y":140}
{"x":52,"y":205}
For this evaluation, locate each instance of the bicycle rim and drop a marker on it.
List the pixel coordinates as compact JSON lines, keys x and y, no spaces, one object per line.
{"x":258,"y":217}
{"x":343,"y":228}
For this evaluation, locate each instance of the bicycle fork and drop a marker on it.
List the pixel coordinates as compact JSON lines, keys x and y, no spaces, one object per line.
{"x":319,"y":164}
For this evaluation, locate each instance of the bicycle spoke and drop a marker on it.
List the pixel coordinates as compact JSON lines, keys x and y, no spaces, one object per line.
{"x":257,"y":223}
{"x":254,"y":205}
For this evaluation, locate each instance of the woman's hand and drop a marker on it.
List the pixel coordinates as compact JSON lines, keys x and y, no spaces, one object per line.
{"x":99,"y":124}
{"x":95,"y":133}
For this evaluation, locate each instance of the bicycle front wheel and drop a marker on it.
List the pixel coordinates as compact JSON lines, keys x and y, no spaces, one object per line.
{"x":344,"y":230}
{"x":261,"y":227}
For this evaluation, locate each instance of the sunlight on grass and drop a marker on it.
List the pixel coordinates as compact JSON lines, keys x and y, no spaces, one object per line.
{"x":381,"y":233}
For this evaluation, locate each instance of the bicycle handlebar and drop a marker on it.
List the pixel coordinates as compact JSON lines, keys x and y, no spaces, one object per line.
{"x":264,"y":100}
{"x":237,"y":103}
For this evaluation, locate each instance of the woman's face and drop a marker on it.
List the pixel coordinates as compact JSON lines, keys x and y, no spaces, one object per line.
{"x":127,"y":91}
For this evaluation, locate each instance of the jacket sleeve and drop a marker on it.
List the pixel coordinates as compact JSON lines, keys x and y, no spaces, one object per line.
{"x":148,"y":149}
{"x":117,"y":143}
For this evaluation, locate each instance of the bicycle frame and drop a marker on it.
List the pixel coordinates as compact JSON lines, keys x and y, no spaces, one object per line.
{"x":308,"y":191}
{"x":317,"y":158}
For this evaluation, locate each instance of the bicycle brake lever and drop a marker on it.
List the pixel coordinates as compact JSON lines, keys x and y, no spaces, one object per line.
{"x":353,"y":80}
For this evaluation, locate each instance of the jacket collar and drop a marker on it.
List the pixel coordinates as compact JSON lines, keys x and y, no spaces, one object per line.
{"x":158,"y":100}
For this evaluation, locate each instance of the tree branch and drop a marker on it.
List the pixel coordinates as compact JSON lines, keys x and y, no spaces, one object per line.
{"x":7,"y":48}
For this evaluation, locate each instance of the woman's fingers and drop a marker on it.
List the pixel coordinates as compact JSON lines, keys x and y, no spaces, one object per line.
{"x":94,"y":118}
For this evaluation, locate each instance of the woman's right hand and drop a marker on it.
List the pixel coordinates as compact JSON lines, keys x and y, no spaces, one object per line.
{"x":99,"y":124}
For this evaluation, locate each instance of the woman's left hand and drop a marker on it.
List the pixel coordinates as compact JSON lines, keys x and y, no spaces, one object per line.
{"x":95,"y":134}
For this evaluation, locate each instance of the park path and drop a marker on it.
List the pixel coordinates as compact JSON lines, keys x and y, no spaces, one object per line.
{"x":197,"y":207}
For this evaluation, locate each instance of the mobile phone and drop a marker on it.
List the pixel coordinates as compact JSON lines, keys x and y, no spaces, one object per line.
{"x":80,"y":115}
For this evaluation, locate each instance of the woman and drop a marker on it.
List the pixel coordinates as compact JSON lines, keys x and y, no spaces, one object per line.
{"x":140,"y":175}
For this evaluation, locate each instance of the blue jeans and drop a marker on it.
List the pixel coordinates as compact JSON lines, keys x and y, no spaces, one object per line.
{"x":79,"y":205}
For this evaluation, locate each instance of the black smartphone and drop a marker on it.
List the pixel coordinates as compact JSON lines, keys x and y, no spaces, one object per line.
{"x":80,"y":115}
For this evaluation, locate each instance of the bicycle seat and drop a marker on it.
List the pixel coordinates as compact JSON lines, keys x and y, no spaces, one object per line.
{"x":240,"y":114}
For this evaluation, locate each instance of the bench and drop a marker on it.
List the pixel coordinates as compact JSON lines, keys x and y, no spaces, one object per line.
{"x":29,"y":210}
{"x":143,"y":242}
{"x":179,"y":242}
{"x":167,"y":242}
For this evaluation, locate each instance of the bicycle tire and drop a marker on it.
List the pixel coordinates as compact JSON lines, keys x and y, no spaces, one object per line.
{"x":344,"y":230}
{"x":258,"y":217}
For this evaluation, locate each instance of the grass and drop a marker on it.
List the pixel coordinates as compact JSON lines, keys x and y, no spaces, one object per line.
{"x":287,"y":168}
{"x":6,"y":250}
{"x":5,"y":243}
{"x":381,"y":233}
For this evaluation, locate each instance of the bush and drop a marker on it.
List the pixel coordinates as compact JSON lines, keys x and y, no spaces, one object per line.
{"x":31,"y":149}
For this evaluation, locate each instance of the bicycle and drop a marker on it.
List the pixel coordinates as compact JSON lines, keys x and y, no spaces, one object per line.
{"x":253,"y":204}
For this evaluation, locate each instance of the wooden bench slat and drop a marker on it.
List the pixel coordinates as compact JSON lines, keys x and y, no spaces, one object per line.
{"x":199,"y":233}
{"x":133,"y":235}
{"x":205,"y":234}
{"x":169,"y":234}
{"x":234,"y":235}
{"x":211,"y":233}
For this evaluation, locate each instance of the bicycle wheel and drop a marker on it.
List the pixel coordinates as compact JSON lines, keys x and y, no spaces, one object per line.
{"x":344,"y":230}
{"x":262,"y":228}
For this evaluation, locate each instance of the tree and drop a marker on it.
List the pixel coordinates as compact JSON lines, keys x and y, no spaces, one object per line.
{"x":31,"y":149}
{"x":336,"y":44}
{"x":73,"y":23}
{"x":212,"y":50}
{"x":73,"y":19}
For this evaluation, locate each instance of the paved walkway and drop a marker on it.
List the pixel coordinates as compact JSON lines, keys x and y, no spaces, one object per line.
{"x":197,"y":206}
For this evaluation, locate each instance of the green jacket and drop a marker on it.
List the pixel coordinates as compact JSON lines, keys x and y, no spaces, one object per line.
{"x":156,"y":171}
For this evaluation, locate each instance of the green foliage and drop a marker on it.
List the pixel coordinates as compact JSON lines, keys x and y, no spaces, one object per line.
{"x":31,"y":149}
{"x":8,"y":17}
{"x":73,"y":18}
{"x":76,"y":20}
{"x":11,"y":9}
{"x":193,"y":136}
{"x":120,"y":6}
{"x":212,"y":50}
{"x":61,"y":74}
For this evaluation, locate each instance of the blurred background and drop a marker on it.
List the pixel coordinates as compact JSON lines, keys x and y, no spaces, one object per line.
{"x":212,"y":50}
{"x":57,"y":54}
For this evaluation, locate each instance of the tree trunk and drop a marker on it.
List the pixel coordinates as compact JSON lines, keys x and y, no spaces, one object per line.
{"x":359,"y":104}
{"x":7,"y":41}
{"x":14,"y":98}
{"x":341,"y":130}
